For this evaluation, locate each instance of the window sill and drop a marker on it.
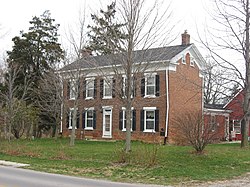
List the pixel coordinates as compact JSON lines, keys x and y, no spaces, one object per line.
{"x":70,"y":128}
{"x":149,"y":131}
{"x":107,"y":97}
{"x":88,"y":128}
{"x":124,"y":130}
{"x":149,"y":96}
{"x":89,"y":98}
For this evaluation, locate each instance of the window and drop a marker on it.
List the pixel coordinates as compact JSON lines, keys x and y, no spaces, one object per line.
{"x":90,"y":88}
{"x":125,"y":86}
{"x":123,"y":119}
{"x":183,"y":59}
{"x":212,"y":123}
{"x":150,"y":119}
{"x":192,"y":61}
{"x":70,"y":119}
{"x":72,"y":89}
{"x":89,"y":119}
{"x":237,"y":126}
{"x":150,"y":85}
{"x":106,"y":88}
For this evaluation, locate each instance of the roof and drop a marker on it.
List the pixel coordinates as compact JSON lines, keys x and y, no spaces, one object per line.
{"x":139,"y":56}
{"x":214,"y":106}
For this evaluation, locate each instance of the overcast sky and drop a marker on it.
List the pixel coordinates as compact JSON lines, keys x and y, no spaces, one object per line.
{"x":16,"y":14}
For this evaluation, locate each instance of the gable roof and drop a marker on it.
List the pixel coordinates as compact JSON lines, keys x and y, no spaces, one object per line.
{"x":139,"y":56}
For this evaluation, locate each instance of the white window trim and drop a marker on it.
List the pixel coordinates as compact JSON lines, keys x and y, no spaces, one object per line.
{"x":70,"y":114}
{"x":86,"y":90}
{"x":123,"y":119}
{"x":146,"y":76}
{"x":124,"y":77}
{"x":72,"y":95}
{"x":105,"y":82}
{"x":234,"y":126}
{"x":86,"y":110}
{"x":145,"y":122}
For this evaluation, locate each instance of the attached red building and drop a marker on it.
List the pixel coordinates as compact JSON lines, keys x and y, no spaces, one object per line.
{"x":217,"y":118}
{"x":236,"y":115}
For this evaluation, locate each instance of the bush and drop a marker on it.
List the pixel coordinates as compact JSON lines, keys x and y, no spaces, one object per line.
{"x":191,"y":130}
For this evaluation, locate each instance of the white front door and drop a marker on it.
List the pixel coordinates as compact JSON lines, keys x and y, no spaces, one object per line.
{"x":107,"y":123}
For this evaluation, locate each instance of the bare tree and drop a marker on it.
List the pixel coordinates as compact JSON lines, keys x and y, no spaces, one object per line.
{"x":232,"y":34}
{"x":12,"y":105}
{"x":218,"y":87}
{"x":193,"y":131}
{"x":50,"y":99}
{"x":78,"y":42}
{"x":144,"y":26}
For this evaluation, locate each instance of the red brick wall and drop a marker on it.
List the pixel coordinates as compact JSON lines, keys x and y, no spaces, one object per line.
{"x":220,"y":120}
{"x":139,"y":103}
{"x":185,"y":92}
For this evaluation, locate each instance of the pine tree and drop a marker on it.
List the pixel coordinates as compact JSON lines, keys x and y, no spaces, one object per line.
{"x":35,"y":53}
{"x":106,"y":36}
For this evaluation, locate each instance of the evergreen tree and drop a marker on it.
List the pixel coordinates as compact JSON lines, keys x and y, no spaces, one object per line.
{"x":34,"y":54}
{"x":36,"y":51}
{"x":106,"y":36}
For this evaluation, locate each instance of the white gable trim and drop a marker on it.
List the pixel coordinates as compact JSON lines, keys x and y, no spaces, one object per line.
{"x":193,"y":51}
{"x":233,"y":98}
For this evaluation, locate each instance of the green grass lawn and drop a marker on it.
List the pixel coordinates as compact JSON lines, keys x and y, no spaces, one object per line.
{"x":174,"y":164}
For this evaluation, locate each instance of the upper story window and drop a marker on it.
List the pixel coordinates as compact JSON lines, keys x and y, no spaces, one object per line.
{"x":107,"y":87}
{"x":90,"y":88}
{"x":72,"y":89}
{"x":125,"y":86}
{"x":192,"y":61}
{"x":183,"y":60}
{"x":150,"y":85}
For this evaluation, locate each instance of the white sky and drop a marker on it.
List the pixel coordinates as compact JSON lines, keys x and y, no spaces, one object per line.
{"x":16,"y":14}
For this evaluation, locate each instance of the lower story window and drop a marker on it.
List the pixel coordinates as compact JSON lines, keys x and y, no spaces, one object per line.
{"x":70,"y":119}
{"x":89,"y":119}
{"x":123,"y":119}
{"x":150,"y":119}
{"x":237,"y":126}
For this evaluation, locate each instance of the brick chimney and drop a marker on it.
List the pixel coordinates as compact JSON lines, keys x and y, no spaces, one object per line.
{"x":185,"y":38}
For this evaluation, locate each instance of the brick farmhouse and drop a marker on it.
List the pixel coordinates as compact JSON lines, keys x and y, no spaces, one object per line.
{"x":168,"y":84}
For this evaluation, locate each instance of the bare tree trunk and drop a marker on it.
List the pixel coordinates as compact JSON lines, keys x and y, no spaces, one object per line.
{"x":73,"y":132}
{"x":245,"y":124}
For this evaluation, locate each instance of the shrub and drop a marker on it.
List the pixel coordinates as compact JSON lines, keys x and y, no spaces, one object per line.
{"x":191,"y":130}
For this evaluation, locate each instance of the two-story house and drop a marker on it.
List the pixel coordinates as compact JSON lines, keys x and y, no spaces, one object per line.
{"x":167,"y":83}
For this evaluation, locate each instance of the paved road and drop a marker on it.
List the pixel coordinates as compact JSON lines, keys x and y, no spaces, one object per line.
{"x":17,"y":177}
